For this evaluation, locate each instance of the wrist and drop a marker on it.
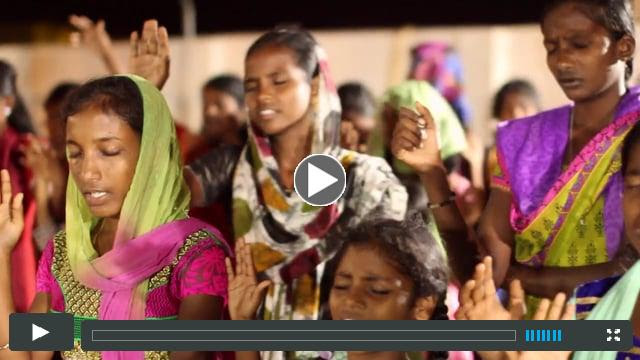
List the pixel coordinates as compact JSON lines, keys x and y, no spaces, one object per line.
{"x":430,"y":170}
{"x":517,"y":272}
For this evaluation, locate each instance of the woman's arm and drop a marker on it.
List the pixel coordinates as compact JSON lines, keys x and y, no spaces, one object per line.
{"x":198,"y":307}
{"x":211,"y":175}
{"x":11,"y":227}
{"x":245,"y":293}
{"x":461,"y":250}
{"x":548,"y":281}
{"x":96,"y":37}
{"x":496,"y":234}
{"x":414,"y":142}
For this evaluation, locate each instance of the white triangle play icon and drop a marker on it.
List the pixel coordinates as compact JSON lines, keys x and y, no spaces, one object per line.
{"x":318,"y":180}
{"x":37,"y":332}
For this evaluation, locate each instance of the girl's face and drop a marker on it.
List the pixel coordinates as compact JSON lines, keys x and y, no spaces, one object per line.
{"x":581,"y":54}
{"x":222,"y":114}
{"x":631,"y":197}
{"x":103,"y":151}
{"x":368,"y":286}
{"x":277,"y":90}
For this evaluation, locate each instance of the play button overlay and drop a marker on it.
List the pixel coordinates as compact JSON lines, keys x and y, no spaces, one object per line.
{"x":37,"y":332}
{"x":320,"y":179}
{"x":40,"y":332}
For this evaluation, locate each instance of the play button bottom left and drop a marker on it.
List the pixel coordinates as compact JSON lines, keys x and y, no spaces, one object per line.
{"x":41,"y":332}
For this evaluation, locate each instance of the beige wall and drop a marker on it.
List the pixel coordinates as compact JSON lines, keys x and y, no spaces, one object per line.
{"x":491,"y":55}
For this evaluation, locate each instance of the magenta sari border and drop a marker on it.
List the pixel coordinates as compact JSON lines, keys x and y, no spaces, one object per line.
{"x":587,"y":158}
{"x":505,"y":180}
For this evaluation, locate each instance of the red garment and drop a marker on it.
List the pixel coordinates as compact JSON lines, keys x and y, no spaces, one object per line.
{"x":186,"y":141}
{"x":23,"y":257}
{"x":217,"y":214}
{"x":199,"y":148}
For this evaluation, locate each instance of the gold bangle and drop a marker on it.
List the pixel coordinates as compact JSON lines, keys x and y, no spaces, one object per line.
{"x":447,"y":202}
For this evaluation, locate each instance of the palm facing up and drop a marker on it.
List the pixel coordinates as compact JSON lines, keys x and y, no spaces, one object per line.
{"x":478,"y":301}
{"x":245,"y":293}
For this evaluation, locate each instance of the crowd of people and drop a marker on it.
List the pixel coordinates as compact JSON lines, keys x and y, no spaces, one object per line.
{"x":120,"y":213}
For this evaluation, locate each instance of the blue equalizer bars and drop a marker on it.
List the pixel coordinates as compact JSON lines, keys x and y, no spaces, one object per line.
{"x":543,"y":335}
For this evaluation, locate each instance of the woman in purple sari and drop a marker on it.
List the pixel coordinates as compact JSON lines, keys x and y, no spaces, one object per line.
{"x":554,"y":216}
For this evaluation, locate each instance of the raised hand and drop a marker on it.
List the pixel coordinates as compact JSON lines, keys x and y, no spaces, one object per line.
{"x":149,"y":54}
{"x":478,"y":300}
{"x":245,"y":293}
{"x":37,"y":156}
{"x":11,"y":215}
{"x":414,"y":139}
{"x":95,"y":36}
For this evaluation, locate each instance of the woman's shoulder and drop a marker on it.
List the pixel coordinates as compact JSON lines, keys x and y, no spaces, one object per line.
{"x":205,"y":242}
{"x":200,"y":265}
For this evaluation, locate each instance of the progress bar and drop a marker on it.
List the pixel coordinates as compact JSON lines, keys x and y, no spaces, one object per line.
{"x":274,"y":335}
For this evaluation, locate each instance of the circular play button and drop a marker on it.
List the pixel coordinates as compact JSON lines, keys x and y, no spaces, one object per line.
{"x":319,"y":179}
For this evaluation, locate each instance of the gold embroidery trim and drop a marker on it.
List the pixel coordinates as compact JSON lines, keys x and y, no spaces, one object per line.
{"x":162,"y":277}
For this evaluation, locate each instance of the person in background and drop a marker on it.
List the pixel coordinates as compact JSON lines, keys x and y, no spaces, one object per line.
{"x":515,"y":99}
{"x":451,"y":140}
{"x":439,"y":64}
{"x":358,"y":110}
{"x":46,"y":158}
{"x":15,"y":126}
{"x":224,"y":124}
{"x":223,"y":115}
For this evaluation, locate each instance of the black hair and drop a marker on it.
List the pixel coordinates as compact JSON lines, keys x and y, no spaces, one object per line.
{"x":19,"y":119}
{"x":355,"y":97}
{"x":518,"y":86}
{"x":631,"y":140}
{"x":59,"y":93}
{"x":614,"y":15}
{"x":229,"y":84}
{"x":301,"y":42}
{"x":116,"y":95}
{"x":409,"y":245}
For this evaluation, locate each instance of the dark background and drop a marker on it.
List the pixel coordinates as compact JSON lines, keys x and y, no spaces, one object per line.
{"x":39,"y":20}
